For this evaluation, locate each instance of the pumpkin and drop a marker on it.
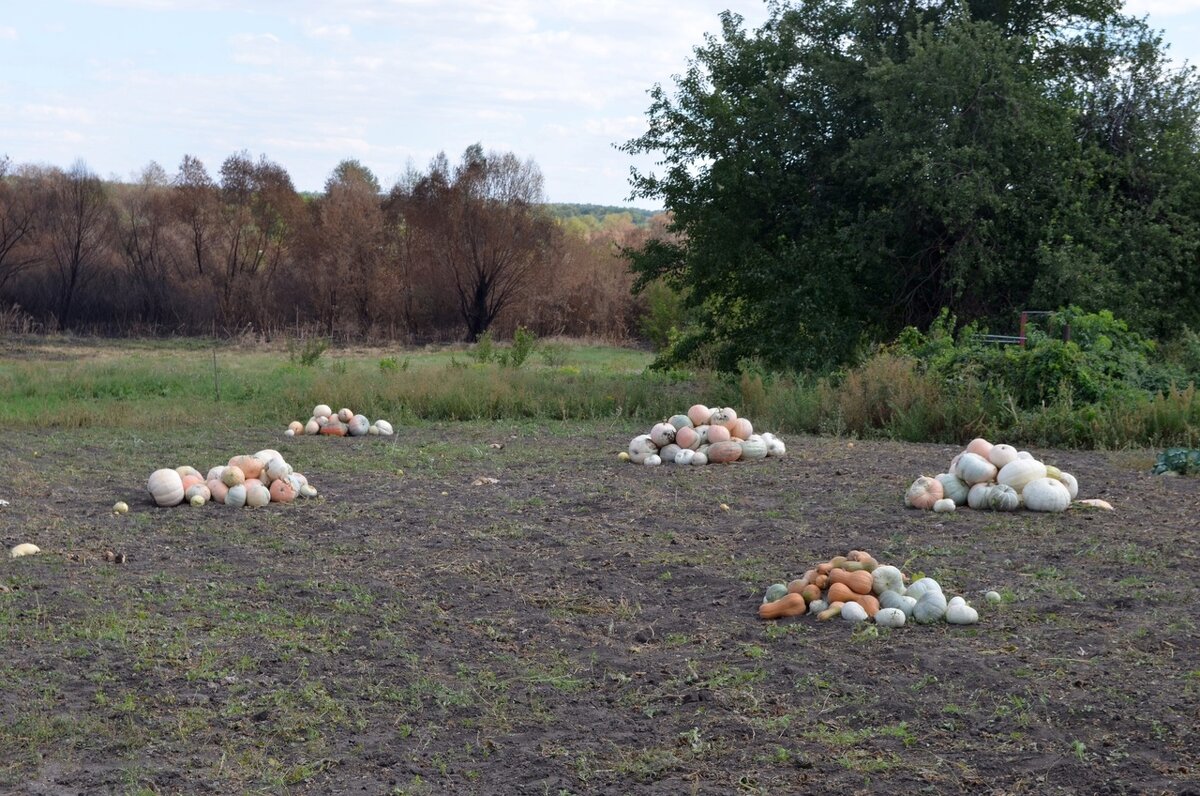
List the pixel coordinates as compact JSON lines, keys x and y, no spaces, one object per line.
{"x":1070,"y":483}
{"x":120,"y":507}
{"x":345,"y":415}
{"x":943,"y":506}
{"x":662,"y":434}
{"x":722,"y":417}
{"x":184,"y":471}
{"x":653,"y":460}
{"x":893,"y":599}
{"x":775,"y":592}
{"x":817,"y":606}
{"x":810,"y":592}
{"x":1046,"y":494}
{"x":890,"y":617}
{"x":296,"y":427}
{"x":685,"y":456}
{"x":28,"y":549}
{"x":974,"y":469}
{"x":334,"y":428}
{"x":886,"y":578}
{"x":190,"y":481}
{"x":859,"y":582}
{"x":977,"y":496}
{"x":1002,"y":455}
{"x":724,"y":452}
{"x":718,"y":434}
{"x":833,"y":610}
{"x":257,"y":495}
{"x":358,"y":425}
{"x":687,"y":437}
{"x":215,"y":473}
{"x":1002,"y":497}
{"x":923,"y":493}
{"x":1024,"y":455}
{"x":324,"y":420}
{"x":236,"y":496}
{"x":312,"y":426}
{"x":979,"y":446}
{"x":954,"y":488}
{"x":699,"y":459}
{"x":741,"y":428}
{"x":1095,"y":503}
{"x":1020,"y":472}
{"x":789,"y":605}
{"x":680,"y":421}
{"x":216,"y":490}
{"x":959,"y":613}
{"x":250,"y":483}
{"x":1053,"y":472}
{"x":385,"y":428}
{"x":753,"y":448}
{"x":641,"y":447}
{"x":198,"y":491}
{"x":702,"y":433}
{"x":667,"y":452}
{"x":775,"y":446}
{"x":250,"y":466}
{"x":307,"y":491}
{"x":266,"y":455}
{"x":322,"y":410}
{"x":930,"y":607}
{"x":166,"y":487}
{"x":699,"y":414}
{"x":276,"y":469}
{"x":920,"y":586}
{"x":282,"y":491}
{"x":853,"y":612}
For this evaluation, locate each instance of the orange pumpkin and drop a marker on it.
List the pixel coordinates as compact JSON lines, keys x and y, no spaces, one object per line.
{"x":251,"y":467}
{"x":719,"y":434}
{"x":334,"y":428}
{"x":282,"y":491}
{"x":724,"y":452}
{"x":859,"y":582}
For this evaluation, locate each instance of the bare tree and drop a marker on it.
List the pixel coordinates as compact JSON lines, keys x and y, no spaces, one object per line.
{"x":77,"y":219}
{"x":143,"y":228}
{"x":486,"y":229}
{"x":352,"y":241}
{"x":16,"y":224}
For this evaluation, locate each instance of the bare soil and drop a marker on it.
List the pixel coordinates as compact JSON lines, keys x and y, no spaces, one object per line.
{"x":582,"y":626}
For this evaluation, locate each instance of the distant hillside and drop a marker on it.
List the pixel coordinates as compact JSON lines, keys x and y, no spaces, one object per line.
{"x":597,"y":213}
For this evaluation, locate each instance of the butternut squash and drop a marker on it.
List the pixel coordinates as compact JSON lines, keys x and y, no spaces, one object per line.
{"x":790,"y":605}
{"x":834,"y":609}
{"x":859,"y":582}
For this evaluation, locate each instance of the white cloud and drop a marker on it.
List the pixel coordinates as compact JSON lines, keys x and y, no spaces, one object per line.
{"x":316,"y":30}
{"x":255,"y":49}
{"x":55,"y":113}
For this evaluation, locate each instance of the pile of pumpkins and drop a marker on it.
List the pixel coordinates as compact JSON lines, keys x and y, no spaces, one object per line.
{"x":858,"y":588}
{"x":702,"y":436}
{"x":343,"y":423}
{"x":996,"y":477}
{"x":247,"y":480}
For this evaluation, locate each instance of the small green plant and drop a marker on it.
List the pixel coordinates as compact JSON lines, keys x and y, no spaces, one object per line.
{"x":523,"y":344}
{"x":484,"y":351}
{"x":310,"y":351}
{"x":391,"y":365}
{"x":554,"y":355}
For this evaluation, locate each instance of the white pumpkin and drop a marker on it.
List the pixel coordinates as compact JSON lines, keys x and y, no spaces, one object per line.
{"x":322,"y":410}
{"x":894,"y":599}
{"x":276,"y":468}
{"x":662,"y":434}
{"x":1046,"y":494}
{"x":267,"y":454}
{"x":685,"y":456}
{"x":885,"y":578}
{"x":312,"y":427}
{"x":1020,"y":472}
{"x":919,"y":588}
{"x":959,"y":613}
{"x":754,"y":448}
{"x":257,"y":496}
{"x":345,"y":414}
{"x":24,"y":549}
{"x":166,"y":487}
{"x":641,"y":447}
{"x":198,"y":491}
{"x":653,"y":460}
{"x":722,"y":417}
{"x":974,"y":469}
{"x":699,"y":459}
{"x":854,"y":613}
{"x":307,"y":491}
{"x":1002,"y":497}
{"x":954,"y":488}
{"x":680,"y":421}
{"x":1070,"y":483}
{"x":186,"y":470}
{"x":215,"y":473}
{"x":977,"y":496}
{"x":775,"y":446}
{"x":1002,"y":454}
{"x":358,"y":426}
{"x":385,"y":428}
{"x":930,"y":607}
{"x":890,"y":617}
{"x":667,"y":452}
{"x":943,"y":506}
{"x":236,"y":496}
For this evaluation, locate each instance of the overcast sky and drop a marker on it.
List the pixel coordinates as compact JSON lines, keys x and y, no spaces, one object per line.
{"x":308,"y":83}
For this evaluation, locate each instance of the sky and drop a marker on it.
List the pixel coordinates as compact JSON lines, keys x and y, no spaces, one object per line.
{"x":119,"y":84}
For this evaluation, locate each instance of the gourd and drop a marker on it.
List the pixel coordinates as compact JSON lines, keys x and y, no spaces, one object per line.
{"x":166,"y":487}
{"x":217,"y":490}
{"x":980,"y":447}
{"x":667,"y":452}
{"x":923,"y":493}
{"x":977,"y":496}
{"x":257,"y":495}
{"x":890,"y":617}
{"x":789,"y":605}
{"x":943,"y":506}
{"x":1095,"y":503}
{"x":974,"y":469}
{"x":775,"y":446}
{"x":1002,"y":454}
{"x":312,"y":426}
{"x":266,"y":455}
{"x":685,"y":456}
{"x":959,"y":613}
{"x":1070,"y":483}
{"x":886,"y":578}
{"x":358,"y":426}
{"x":662,"y":434}
{"x":921,"y":586}
{"x":841,"y":593}
{"x":198,"y":491}
{"x":699,"y":459}
{"x":702,"y":433}
{"x":753,"y":448}
{"x":334,"y":428}
{"x":775,"y":591}
{"x":385,"y":428}
{"x":26,"y":549}
{"x":236,"y":496}
{"x":120,"y":507}
{"x":1020,"y":472}
{"x":1046,"y":494}
{"x":307,"y":491}
{"x":742,"y":428}
{"x":1001,"y":497}
{"x":249,"y":465}
{"x":345,"y":415}
{"x":722,"y":417}
{"x":853,"y":612}
{"x":930,"y":607}
{"x":653,"y":460}
{"x":282,"y":491}
{"x":277,"y":468}
{"x":641,"y":447}
{"x":699,"y":414}
{"x":860,"y":582}
{"x":322,"y":410}
{"x":185,"y":470}
{"x":718,"y":434}
{"x":214,"y":473}
{"x":833,"y":610}
{"x":687,"y":437}
{"x":817,"y":606}
{"x":296,"y":427}
{"x":892,"y":599}
{"x":190,"y":481}
{"x":680,"y":421}
{"x":724,"y":452}
{"x":954,"y":488}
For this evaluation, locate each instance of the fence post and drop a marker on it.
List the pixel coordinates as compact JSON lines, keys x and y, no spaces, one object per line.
{"x":1024,"y":319}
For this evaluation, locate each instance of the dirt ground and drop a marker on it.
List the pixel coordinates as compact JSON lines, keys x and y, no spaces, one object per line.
{"x":582,"y":626}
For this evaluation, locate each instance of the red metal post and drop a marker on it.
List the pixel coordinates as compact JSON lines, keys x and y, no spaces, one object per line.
{"x":1024,"y":319}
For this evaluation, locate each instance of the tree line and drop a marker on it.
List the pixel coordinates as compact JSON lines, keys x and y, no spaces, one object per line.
{"x":855,"y":167}
{"x":447,"y":252}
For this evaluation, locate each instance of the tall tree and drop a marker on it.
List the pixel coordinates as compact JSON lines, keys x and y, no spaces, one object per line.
{"x":143,"y":229}
{"x":77,"y":221}
{"x":485,"y":226}
{"x":17,"y":214}
{"x":350,"y":218}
